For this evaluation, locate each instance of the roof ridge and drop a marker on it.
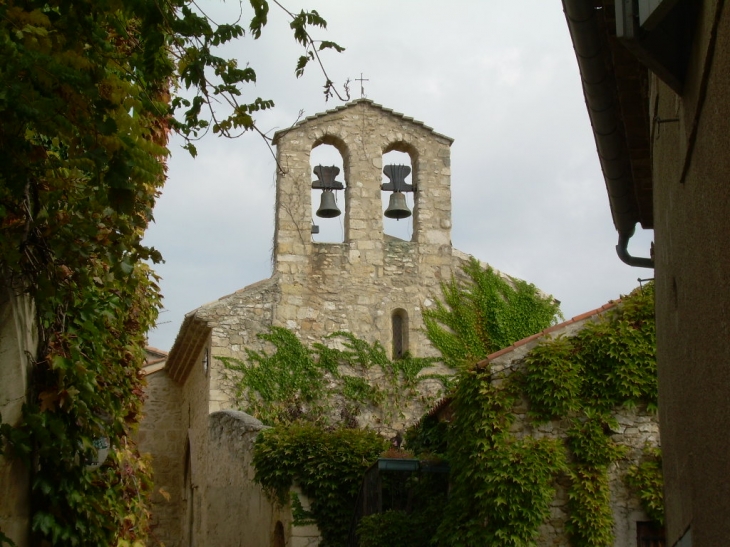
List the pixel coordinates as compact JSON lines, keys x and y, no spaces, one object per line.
{"x":351,"y":104}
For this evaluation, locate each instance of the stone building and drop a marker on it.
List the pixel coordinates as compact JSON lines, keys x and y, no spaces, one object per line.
{"x":655,"y":80}
{"x":371,"y":284}
{"x":637,"y":429}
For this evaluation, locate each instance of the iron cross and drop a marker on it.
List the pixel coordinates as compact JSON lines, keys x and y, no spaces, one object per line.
{"x":362,"y":89}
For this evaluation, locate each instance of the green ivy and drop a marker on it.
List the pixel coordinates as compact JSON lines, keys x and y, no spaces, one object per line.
{"x":86,"y":111}
{"x":646,"y":479}
{"x":294,"y":382}
{"x":484,"y":313}
{"x":501,"y":486}
{"x":327,"y":465}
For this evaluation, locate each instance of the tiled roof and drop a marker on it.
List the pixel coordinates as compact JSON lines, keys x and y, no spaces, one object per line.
{"x":351,"y":104}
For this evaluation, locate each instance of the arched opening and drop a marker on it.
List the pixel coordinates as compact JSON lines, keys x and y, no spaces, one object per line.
{"x":399,"y":322}
{"x":331,"y":227}
{"x":400,"y":228}
{"x":278,"y":539}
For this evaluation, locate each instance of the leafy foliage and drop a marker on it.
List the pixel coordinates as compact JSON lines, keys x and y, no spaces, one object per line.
{"x":86,"y":109}
{"x":327,"y":465}
{"x":646,"y":479}
{"x":398,"y":527}
{"x":295,"y":382}
{"x":501,"y":485}
{"x":484,"y":314}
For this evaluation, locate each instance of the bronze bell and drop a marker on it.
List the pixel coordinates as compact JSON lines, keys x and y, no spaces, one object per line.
{"x":328,"y":207}
{"x":397,"y":208}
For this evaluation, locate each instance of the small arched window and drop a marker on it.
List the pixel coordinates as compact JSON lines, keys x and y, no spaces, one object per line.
{"x":399,"y":322}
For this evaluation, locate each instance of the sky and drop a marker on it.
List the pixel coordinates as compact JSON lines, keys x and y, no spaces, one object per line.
{"x":499,"y":77}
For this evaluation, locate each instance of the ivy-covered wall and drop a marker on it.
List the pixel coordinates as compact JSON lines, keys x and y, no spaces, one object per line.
{"x":555,"y":438}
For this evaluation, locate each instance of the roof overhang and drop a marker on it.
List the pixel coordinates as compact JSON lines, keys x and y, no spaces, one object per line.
{"x":190,"y":341}
{"x":616,"y":91}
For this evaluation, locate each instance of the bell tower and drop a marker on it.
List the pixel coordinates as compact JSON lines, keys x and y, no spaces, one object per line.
{"x":359,"y":283}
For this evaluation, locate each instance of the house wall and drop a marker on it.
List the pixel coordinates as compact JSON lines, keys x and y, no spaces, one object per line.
{"x":692,"y":232}
{"x":18,"y":347}
{"x":161,"y":434}
{"x":637,"y":429}
{"x":195,"y":451}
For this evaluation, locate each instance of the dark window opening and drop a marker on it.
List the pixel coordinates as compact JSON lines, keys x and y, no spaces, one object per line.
{"x":649,"y":534}
{"x":400,"y":334}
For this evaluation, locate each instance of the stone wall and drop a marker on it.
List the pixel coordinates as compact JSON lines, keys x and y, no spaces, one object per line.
{"x":637,"y":429}
{"x":18,"y":347}
{"x":238,"y":512}
{"x":162,"y":435}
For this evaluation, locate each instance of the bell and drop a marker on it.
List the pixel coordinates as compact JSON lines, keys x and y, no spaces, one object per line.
{"x":328,"y":207}
{"x":397,"y":207}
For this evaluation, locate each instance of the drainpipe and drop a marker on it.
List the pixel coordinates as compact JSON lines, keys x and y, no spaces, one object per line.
{"x":623,"y":253}
{"x":599,"y":88}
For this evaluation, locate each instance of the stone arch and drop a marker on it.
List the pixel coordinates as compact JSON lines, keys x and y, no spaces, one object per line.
{"x":405,"y":228}
{"x":330,"y":230}
{"x":399,"y":331}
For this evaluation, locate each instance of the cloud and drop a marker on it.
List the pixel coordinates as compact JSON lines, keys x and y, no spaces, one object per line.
{"x":499,"y":77}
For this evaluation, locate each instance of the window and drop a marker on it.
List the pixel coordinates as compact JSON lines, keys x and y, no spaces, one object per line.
{"x":649,"y":534}
{"x":400,"y":333}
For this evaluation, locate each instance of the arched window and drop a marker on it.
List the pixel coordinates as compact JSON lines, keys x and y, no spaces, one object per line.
{"x":328,"y":229}
{"x":400,"y":228}
{"x":399,"y":321}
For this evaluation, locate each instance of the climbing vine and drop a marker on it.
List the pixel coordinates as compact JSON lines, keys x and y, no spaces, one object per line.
{"x":327,"y":465}
{"x":86,"y":109}
{"x":295,"y":382}
{"x":502,"y":483}
{"x":483,"y":312}
{"x":646,"y":479}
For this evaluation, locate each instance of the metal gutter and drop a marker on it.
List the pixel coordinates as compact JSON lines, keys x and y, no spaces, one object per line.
{"x":590,"y":41}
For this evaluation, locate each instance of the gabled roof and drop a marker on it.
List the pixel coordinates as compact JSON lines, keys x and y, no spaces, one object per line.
{"x":352,"y":104}
{"x":195,"y":330}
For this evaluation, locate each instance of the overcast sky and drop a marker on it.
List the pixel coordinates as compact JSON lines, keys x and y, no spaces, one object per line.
{"x":498,"y":76}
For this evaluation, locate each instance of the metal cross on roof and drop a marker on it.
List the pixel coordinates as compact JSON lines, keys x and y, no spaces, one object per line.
{"x":362,"y":89}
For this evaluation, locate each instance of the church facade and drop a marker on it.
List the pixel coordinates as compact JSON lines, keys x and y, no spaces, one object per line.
{"x":371,"y":284}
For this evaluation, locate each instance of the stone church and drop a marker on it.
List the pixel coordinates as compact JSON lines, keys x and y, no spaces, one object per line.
{"x":371,"y":284}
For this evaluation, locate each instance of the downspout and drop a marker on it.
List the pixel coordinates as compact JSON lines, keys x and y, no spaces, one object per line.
{"x":623,"y":253}
{"x":599,"y":88}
